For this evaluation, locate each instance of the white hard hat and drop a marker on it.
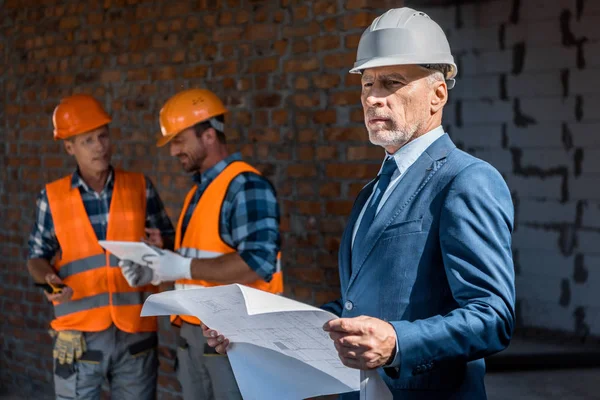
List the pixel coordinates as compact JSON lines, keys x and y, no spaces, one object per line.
{"x":404,"y":36}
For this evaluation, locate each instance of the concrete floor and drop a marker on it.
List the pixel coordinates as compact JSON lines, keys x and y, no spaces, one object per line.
{"x":566,"y":384}
{"x":575,"y":384}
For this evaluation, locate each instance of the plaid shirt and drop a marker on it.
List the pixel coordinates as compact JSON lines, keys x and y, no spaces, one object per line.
{"x":249,"y":219}
{"x":42,"y":240}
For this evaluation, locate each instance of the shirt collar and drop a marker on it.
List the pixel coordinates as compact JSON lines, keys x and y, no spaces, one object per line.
{"x":210,"y":174}
{"x":78,"y":182}
{"x":410,"y":152}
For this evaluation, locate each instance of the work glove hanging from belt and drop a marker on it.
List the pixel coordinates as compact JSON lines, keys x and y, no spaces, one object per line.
{"x":69,"y":346}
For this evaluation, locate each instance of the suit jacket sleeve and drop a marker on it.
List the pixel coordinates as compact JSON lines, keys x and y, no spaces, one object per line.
{"x":334,"y":307}
{"x":476,"y":223}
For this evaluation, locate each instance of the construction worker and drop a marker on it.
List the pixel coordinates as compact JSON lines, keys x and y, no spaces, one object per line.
{"x":228,"y":232}
{"x":99,"y":334}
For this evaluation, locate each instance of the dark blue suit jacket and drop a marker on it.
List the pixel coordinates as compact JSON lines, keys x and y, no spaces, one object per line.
{"x":437,"y":264}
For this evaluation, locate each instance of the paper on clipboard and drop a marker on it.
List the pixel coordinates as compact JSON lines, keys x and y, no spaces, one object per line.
{"x":138,"y":252}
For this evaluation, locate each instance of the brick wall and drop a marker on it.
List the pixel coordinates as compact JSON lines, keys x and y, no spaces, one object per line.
{"x":526,"y":101}
{"x":281,"y":67}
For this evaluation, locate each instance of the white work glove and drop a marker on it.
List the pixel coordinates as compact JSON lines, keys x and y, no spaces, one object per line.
{"x":138,"y":275}
{"x":169,"y":266}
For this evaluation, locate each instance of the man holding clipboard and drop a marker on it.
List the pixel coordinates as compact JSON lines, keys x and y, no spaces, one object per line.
{"x":98,"y":331}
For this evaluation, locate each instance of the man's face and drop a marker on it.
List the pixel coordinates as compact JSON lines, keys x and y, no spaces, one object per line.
{"x":396,"y":103}
{"x":189,"y":149}
{"x":91,"y":150}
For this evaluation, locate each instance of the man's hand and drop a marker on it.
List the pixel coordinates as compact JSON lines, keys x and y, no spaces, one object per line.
{"x":215,"y":339}
{"x":169,"y":266}
{"x":362,"y":342}
{"x":138,"y":275}
{"x":154,"y":238}
{"x":62,"y":297}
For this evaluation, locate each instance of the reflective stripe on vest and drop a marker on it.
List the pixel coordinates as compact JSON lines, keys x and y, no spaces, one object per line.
{"x":100,"y":300}
{"x":86,"y":264}
{"x":101,"y":295}
{"x":202,"y":238}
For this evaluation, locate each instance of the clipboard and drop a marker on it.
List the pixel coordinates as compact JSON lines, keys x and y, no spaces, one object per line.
{"x":138,"y":252}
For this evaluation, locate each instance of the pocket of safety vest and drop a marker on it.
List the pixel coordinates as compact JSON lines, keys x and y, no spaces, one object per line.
{"x":143,"y":346}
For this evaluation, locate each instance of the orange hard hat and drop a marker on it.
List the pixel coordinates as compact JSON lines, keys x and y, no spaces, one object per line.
{"x":186,"y":109}
{"x":78,"y":114}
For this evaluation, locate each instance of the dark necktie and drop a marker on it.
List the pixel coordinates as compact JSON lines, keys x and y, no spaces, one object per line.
{"x":384,"y":178}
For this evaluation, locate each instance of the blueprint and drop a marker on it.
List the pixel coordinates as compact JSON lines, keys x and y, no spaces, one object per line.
{"x":278,"y":347}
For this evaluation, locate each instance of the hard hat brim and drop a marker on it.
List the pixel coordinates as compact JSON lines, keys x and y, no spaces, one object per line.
{"x":163,"y":140}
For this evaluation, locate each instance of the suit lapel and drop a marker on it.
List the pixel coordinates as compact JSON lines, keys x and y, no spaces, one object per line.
{"x":417,"y":176}
{"x":345,"y":252}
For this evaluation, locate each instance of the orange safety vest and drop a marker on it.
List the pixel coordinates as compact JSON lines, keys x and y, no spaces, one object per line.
{"x":101,"y":295}
{"x":202,"y":238}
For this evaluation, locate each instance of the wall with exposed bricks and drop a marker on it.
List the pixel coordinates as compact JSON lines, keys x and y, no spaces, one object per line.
{"x":524,"y":101}
{"x":527,"y":101}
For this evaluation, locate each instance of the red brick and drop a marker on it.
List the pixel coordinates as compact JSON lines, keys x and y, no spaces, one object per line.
{"x":346,"y":134}
{"x":355,"y":188}
{"x":358,"y":153}
{"x":225,"y":68}
{"x":338,"y":207}
{"x":305,"y":274}
{"x":300,"y":46}
{"x":325,"y":117}
{"x":351,"y":41}
{"x":110,"y":76}
{"x":345,"y":98}
{"x":324,"y":7}
{"x":164,"y":73}
{"x":305,"y":100}
{"x":228,"y":33}
{"x":353,"y":80}
{"x":352,"y":171}
{"x":306,"y":153}
{"x":264,"y":65}
{"x":261,"y":32}
{"x":302,"y":83}
{"x":300,"y":13}
{"x":340,"y":60}
{"x":242,"y":17}
{"x":137,"y":75}
{"x":326,"y":81}
{"x":330,"y":189}
{"x":358,"y":20}
{"x":324,"y":43}
{"x":301,"y":30}
{"x":308,"y":207}
{"x":198,"y":71}
{"x":301,"y":171}
{"x":326,"y":153}
{"x":264,"y":135}
{"x":68,"y":23}
{"x":279,"y":117}
{"x":357,"y":115}
{"x":307,"y":135}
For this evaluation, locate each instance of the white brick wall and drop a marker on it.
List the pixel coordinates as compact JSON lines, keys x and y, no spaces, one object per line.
{"x":542,"y":135}
{"x":534,"y":84}
{"x":531,"y":211}
{"x":479,"y":135}
{"x":586,"y":134}
{"x":536,"y":188}
{"x":546,"y":239}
